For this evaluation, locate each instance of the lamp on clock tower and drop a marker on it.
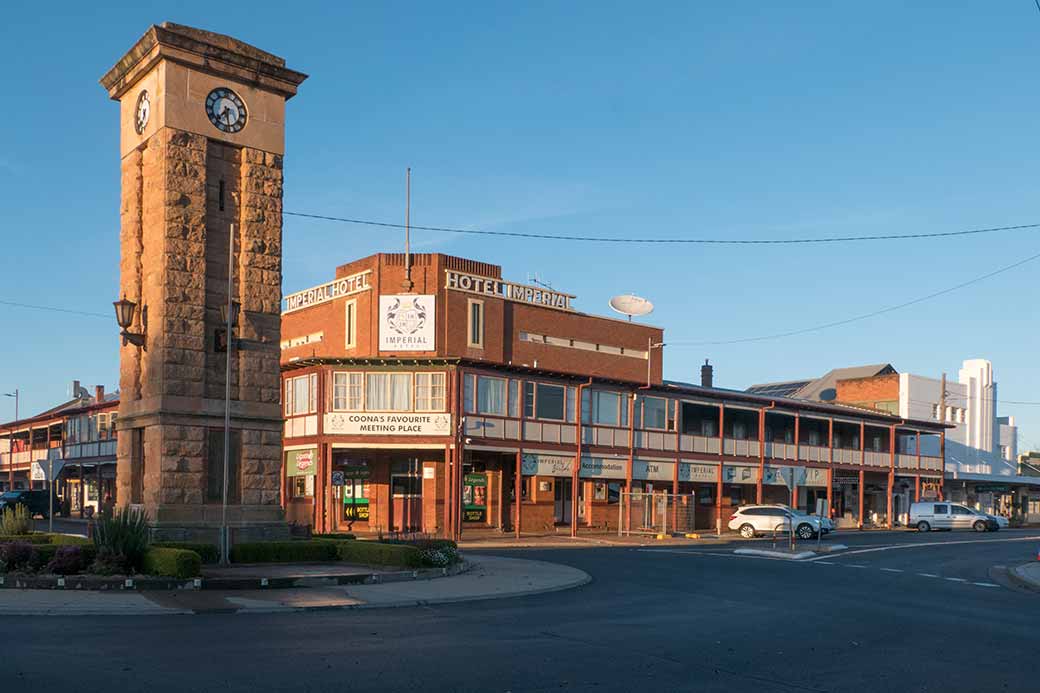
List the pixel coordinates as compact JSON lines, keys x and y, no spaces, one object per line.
{"x":202,"y":135}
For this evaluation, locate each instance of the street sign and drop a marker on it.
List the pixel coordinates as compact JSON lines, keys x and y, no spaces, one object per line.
{"x":338,"y":478}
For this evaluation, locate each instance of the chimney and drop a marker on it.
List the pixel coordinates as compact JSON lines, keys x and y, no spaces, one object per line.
{"x":75,"y":389}
{"x":706,"y":374}
{"x":99,"y":394}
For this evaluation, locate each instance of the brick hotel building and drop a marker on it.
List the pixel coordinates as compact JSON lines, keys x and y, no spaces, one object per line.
{"x":427,"y":393}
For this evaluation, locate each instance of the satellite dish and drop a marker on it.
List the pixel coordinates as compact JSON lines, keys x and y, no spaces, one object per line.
{"x":628,"y":304}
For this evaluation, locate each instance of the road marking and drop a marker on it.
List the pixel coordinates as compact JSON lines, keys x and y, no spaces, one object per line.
{"x":853,"y":565}
{"x":827,"y":563}
{"x":931,"y":575}
{"x":892,"y":570}
{"x":985,"y":584}
{"x":956,"y":579}
{"x":893,"y":547}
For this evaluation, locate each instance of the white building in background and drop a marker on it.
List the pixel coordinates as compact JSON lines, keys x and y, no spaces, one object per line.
{"x":981,"y":444}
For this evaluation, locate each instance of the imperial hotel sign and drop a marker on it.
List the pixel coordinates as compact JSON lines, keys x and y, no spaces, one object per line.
{"x":337,"y":288}
{"x":473,"y":284}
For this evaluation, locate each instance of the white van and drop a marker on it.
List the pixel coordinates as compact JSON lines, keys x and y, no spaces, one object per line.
{"x":946,"y":515}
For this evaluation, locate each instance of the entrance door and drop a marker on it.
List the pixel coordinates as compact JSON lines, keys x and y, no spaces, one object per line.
{"x":406,"y":502}
{"x":563,"y":488}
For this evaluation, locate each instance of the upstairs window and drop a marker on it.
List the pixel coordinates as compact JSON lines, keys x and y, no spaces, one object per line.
{"x":475,"y":326}
{"x":350,"y":324}
{"x":301,"y":395}
{"x":348,"y":391}
{"x":491,"y":395}
{"x":603,"y":408}
{"x":655,"y":413}
{"x":388,"y":391}
{"x":545,"y":401}
{"x":429,"y":392}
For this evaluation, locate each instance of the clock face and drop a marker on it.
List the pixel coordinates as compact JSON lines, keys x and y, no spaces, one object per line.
{"x":225,"y":110}
{"x":141,"y":112}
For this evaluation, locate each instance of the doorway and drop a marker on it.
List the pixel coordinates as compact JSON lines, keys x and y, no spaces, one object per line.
{"x":406,"y":496}
{"x":562,"y":490}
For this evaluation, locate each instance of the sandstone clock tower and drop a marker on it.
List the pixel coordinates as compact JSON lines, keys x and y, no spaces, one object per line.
{"x":202,"y":125}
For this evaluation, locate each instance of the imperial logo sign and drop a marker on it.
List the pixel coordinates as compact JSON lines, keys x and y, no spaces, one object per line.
{"x":407,"y":322}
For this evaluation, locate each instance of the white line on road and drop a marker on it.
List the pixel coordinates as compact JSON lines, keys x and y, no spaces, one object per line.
{"x":956,"y":579}
{"x":931,"y":575}
{"x":853,"y":565}
{"x":985,"y":584}
{"x":893,"y":547}
{"x":892,"y":570}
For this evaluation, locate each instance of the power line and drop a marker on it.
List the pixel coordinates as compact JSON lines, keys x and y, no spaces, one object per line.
{"x":695,"y":241}
{"x":54,"y":309}
{"x":865,"y":316}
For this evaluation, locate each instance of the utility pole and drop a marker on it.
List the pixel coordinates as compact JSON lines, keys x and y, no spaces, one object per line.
{"x":408,"y":230}
{"x":942,"y":398}
{"x":10,"y":442}
{"x":225,"y":548}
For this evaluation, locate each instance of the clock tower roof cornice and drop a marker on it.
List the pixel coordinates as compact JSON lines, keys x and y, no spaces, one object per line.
{"x":205,"y":51}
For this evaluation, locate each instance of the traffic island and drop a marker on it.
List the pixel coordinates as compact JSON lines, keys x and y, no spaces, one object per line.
{"x":791,"y":554}
{"x":1026,"y":576}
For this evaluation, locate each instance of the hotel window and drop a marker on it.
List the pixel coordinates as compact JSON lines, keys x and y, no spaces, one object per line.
{"x":429,"y":392}
{"x":475,"y":331}
{"x":544,"y":401}
{"x":491,"y":395}
{"x":602,"y":408}
{"x":301,"y":395}
{"x":348,"y":391}
{"x":514,"y":399}
{"x":388,"y":391}
{"x":655,"y":413}
{"x":350,"y":324}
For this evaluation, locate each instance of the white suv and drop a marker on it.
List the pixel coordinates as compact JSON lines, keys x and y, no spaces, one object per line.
{"x":753,"y":520}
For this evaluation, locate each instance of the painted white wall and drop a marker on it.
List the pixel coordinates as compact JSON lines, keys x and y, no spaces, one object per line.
{"x":973,"y":445}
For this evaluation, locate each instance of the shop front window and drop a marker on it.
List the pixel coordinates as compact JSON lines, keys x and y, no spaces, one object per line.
{"x":302,"y":486}
{"x":406,"y":485}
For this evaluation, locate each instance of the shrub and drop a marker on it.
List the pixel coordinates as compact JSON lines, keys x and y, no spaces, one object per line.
{"x":123,"y":537}
{"x":375,"y":553}
{"x":209,"y":553}
{"x":434,"y":552}
{"x":16,"y":521}
{"x":68,"y":560}
{"x":170,"y":562}
{"x":17,"y":555}
{"x":108,"y":563}
{"x":283,"y":551}
{"x":335,"y":536}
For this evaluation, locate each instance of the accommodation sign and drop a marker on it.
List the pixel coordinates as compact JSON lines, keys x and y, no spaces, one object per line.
{"x":535,"y":295}
{"x":387,"y":424}
{"x":337,"y":288}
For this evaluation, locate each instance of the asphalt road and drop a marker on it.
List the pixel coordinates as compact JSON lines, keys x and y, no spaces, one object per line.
{"x":654,"y":619}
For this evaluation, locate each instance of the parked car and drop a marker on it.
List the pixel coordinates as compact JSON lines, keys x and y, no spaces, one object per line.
{"x":35,"y":501}
{"x":753,"y":520}
{"x":946,"y":515}
{"x":1002,"y":522}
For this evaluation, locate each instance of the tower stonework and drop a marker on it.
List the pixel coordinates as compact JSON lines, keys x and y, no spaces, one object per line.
{"x":201,"y":146}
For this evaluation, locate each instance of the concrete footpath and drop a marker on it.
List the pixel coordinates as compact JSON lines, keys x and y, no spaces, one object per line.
{"x":490,"y":577}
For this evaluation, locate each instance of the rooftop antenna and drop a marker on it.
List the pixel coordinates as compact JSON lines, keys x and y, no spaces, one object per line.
{"x":408,"y":230}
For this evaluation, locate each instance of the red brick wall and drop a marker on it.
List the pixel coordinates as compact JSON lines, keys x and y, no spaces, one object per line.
{"x":503,"y":322}
{"x":880,"y":388}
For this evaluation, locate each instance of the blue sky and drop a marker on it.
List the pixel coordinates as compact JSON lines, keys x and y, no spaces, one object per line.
{"x":619,"y":119}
